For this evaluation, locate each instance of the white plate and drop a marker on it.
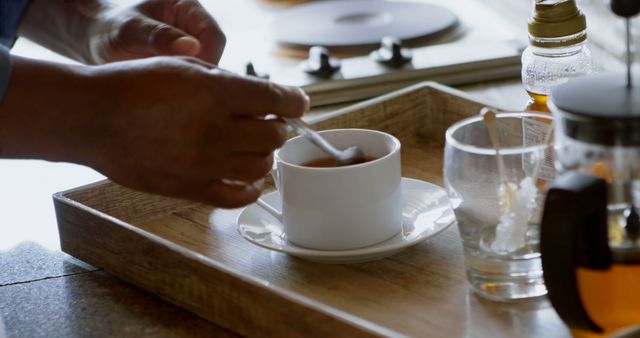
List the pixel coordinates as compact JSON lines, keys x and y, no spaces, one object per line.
{"x":426,"y":212}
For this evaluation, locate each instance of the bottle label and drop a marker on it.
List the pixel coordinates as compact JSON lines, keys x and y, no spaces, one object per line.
{"x":535,"y":132}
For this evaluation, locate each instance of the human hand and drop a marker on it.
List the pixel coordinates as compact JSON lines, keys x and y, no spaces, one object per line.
{"x":96,"y":31}
{"x":183,"y":130}
{"x":165,"y":125}
{"x":156,"y":27}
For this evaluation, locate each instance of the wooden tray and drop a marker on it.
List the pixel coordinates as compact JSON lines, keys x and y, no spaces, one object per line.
{"x":192,"y":255}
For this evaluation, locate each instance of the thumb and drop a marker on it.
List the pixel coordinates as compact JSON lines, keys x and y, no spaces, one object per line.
{"x":149,"y":36}
{"x":168,"y":40}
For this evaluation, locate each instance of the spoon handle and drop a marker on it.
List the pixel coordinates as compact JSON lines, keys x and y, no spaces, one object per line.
{"x":305,"y":130}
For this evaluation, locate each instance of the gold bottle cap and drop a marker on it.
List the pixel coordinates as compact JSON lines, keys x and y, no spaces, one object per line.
{"x":554,"y":20}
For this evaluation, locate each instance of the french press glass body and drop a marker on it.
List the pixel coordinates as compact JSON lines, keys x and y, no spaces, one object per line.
{"x":590,"y":231}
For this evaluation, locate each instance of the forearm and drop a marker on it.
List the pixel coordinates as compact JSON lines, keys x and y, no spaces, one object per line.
{"x":63,"y":26}
{"x":46,"y":112}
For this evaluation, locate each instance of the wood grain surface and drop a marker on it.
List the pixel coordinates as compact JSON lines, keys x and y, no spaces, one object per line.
{"x":193,"y":256}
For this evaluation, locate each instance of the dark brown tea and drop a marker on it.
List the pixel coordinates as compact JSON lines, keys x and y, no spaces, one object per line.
{"x":330,"y":162}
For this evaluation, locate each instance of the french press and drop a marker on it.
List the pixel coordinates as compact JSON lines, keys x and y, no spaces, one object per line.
{"x":590,"y":229}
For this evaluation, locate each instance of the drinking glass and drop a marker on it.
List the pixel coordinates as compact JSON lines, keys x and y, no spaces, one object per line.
{"x":498,"y":214}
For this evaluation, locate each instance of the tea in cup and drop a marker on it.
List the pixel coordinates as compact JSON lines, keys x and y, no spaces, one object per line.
{"x":330,"y":162}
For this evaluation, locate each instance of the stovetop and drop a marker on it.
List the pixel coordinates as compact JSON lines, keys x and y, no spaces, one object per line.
{"x":483,"y":47}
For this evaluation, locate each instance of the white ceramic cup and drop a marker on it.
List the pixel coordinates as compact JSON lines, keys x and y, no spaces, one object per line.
{"x":339,"y":208}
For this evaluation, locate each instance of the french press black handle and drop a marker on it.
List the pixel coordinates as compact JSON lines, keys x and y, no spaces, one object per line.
{"x":573,"y":234}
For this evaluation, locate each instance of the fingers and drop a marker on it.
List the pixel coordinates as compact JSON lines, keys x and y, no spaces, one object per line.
{"x":192,"y":18}
{"x":224,"y":195}
{"x":246,"y":168}
{"x":234,"y":167}
{"x":218,"y":193}
{"x":234,"y":182}
{"x":146,"y":36}
{"x":167,"y":40}
{"x":257,"y":136}
{"x":247,"y":96}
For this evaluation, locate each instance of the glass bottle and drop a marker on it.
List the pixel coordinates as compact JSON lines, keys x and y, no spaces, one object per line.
{"x":557,"y":50}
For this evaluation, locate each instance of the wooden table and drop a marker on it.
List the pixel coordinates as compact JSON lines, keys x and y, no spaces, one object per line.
{"x":46,"y":293}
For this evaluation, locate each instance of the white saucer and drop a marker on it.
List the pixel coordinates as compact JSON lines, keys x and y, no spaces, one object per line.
{"x":426,"y":212}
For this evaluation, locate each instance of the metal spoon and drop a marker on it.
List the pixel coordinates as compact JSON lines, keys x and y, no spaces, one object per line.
{"x":345,"y":157}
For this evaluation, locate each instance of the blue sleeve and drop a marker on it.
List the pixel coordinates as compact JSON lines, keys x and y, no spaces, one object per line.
{"x":10,"y":14}
{"x":5,"y":70}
